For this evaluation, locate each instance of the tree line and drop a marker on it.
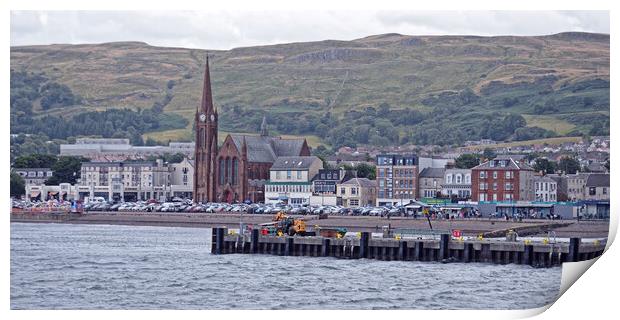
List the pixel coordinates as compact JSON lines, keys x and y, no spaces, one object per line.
{"x":29,"y":88}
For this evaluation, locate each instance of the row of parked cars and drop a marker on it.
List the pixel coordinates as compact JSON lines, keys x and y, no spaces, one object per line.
{"x":51,"y":205}
{"x":188,"y":206}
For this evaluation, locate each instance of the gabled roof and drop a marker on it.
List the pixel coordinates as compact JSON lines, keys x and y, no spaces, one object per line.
{"x":597,"y":180}
{"x":544,"y":179}
{"x":510,"y":164}
{"x":287,"y":147}
{"x":259,"y":148}
{"x":432,"y":173}
{"x":294,"y":163}
{"x":268,"y":149}
{"x":362,"y":182}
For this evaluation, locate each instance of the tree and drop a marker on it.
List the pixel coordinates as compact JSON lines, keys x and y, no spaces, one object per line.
{"x":150,"y":142}
{"x":467,"y":161}
{"x":18,"y":185}
{"x":322,"y":151}
{"x":365,"y":170}
{"x":544,"y":165}
{"x":66,"y":170}
{"x":35,"y":161}
{"x":569,"y":165}
{"x":489,"y":154}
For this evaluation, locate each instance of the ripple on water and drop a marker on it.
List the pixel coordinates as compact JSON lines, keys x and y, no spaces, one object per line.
{"x":129,"y":267}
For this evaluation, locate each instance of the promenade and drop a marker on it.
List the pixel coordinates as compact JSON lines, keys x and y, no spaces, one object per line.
{"x":468,"y":227}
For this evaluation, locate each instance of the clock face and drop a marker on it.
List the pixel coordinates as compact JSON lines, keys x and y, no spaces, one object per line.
{"x":203,"y":117}
{"x":212,"y":117}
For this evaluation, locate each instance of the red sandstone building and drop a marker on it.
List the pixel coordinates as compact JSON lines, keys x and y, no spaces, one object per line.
{"x":238,"y":169}
{"x":503,"y":179}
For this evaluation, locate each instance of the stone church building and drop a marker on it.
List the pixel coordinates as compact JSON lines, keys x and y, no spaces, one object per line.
{"x":237,"y":170}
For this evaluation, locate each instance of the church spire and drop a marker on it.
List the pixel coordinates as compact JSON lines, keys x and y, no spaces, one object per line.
{"x":206,"y":106}
{"x":263,"y":127}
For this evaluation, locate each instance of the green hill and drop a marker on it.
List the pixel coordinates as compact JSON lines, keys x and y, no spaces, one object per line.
{"x":382,"y":89}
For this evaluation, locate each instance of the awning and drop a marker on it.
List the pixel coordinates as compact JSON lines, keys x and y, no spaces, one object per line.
{"x":34,"y":194}
{"x":53,"y":193}
{"x":523,"y":205}
{"x":413,"y":207}
{"x":451,"y":208}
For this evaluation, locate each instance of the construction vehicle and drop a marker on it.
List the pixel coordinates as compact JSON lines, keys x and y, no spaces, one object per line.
{"x":283,"y":224}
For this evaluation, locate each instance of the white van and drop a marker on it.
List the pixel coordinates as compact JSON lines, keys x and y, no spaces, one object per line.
{"x":94,"y":200}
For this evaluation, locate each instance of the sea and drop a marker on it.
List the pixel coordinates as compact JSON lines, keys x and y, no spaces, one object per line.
{"x":76,"y":266}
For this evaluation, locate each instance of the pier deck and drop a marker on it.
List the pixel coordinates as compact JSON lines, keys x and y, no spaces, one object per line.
{"x":444,"y":249}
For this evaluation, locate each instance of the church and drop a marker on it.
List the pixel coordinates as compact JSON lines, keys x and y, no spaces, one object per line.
{"x":237,"y":170}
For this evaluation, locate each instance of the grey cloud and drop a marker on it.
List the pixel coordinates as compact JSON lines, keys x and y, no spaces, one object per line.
{"x":229,"y":29}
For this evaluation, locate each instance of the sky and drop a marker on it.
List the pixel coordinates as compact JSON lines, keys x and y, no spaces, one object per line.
{"x":231,"y":29}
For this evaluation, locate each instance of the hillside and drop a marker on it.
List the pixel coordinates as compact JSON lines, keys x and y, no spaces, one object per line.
{"x":420,"y":89}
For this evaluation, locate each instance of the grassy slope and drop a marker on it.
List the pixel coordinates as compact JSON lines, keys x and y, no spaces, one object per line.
{"x":397,"y":69}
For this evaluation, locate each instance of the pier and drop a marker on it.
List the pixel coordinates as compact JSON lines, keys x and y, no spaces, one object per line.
{"x":445,"y":249}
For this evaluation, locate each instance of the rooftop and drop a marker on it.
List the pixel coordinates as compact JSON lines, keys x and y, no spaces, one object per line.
{"x":362,"y":182}
{"x":297,"y":163}
{"x":598,"y":180}
{"x":432,"y":173}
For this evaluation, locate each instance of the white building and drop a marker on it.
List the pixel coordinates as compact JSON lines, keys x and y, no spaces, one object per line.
{"x":545,"y":189}
{"x":290,"y":179}
{"x":457,"y":182}
{"x":124,"y":181}
{"x":34,"y":176}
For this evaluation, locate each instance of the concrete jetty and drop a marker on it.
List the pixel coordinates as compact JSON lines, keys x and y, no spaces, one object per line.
{"x":445,"y":249}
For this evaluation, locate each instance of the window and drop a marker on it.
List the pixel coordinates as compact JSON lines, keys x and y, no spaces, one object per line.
{"x":508,"y":186}
{"x":448,"y":178}
{"x":467,"y":179}
{"x":354,"y":202}
{"x":482,"y":174}
{"x":509,"y":175}
{"x":235,"y":170}
{"x":494,"y":174}
{"x":353,"y":191}
{"x":604,"y":190}
{"x":288,"y":174}
{"x":592,"y":191}
{"x":482,"y":197}
{"x":299,"y":175}
{"x":458,"y":179}
{"x":494,"y":185}
{"x":508,"y":196}
{"x":483,"y":186}
{"x":278,"y":175}
{"x":495,"y":197}
{"x":342,"y":191}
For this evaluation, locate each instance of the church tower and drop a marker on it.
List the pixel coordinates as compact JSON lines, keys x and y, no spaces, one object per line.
{"x":206,"y":144}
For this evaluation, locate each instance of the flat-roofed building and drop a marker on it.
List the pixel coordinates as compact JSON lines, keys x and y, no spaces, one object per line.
{"x":397,"y":179}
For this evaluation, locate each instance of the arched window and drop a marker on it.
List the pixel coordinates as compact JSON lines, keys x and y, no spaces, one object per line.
{"x":458,"y":178}
{"x":228,"y":170}
{"x":235,"y":171}
{"x":221,"y":171}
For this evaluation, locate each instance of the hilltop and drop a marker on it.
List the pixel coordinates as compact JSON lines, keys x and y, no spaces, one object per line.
{"x":420,"y":89}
